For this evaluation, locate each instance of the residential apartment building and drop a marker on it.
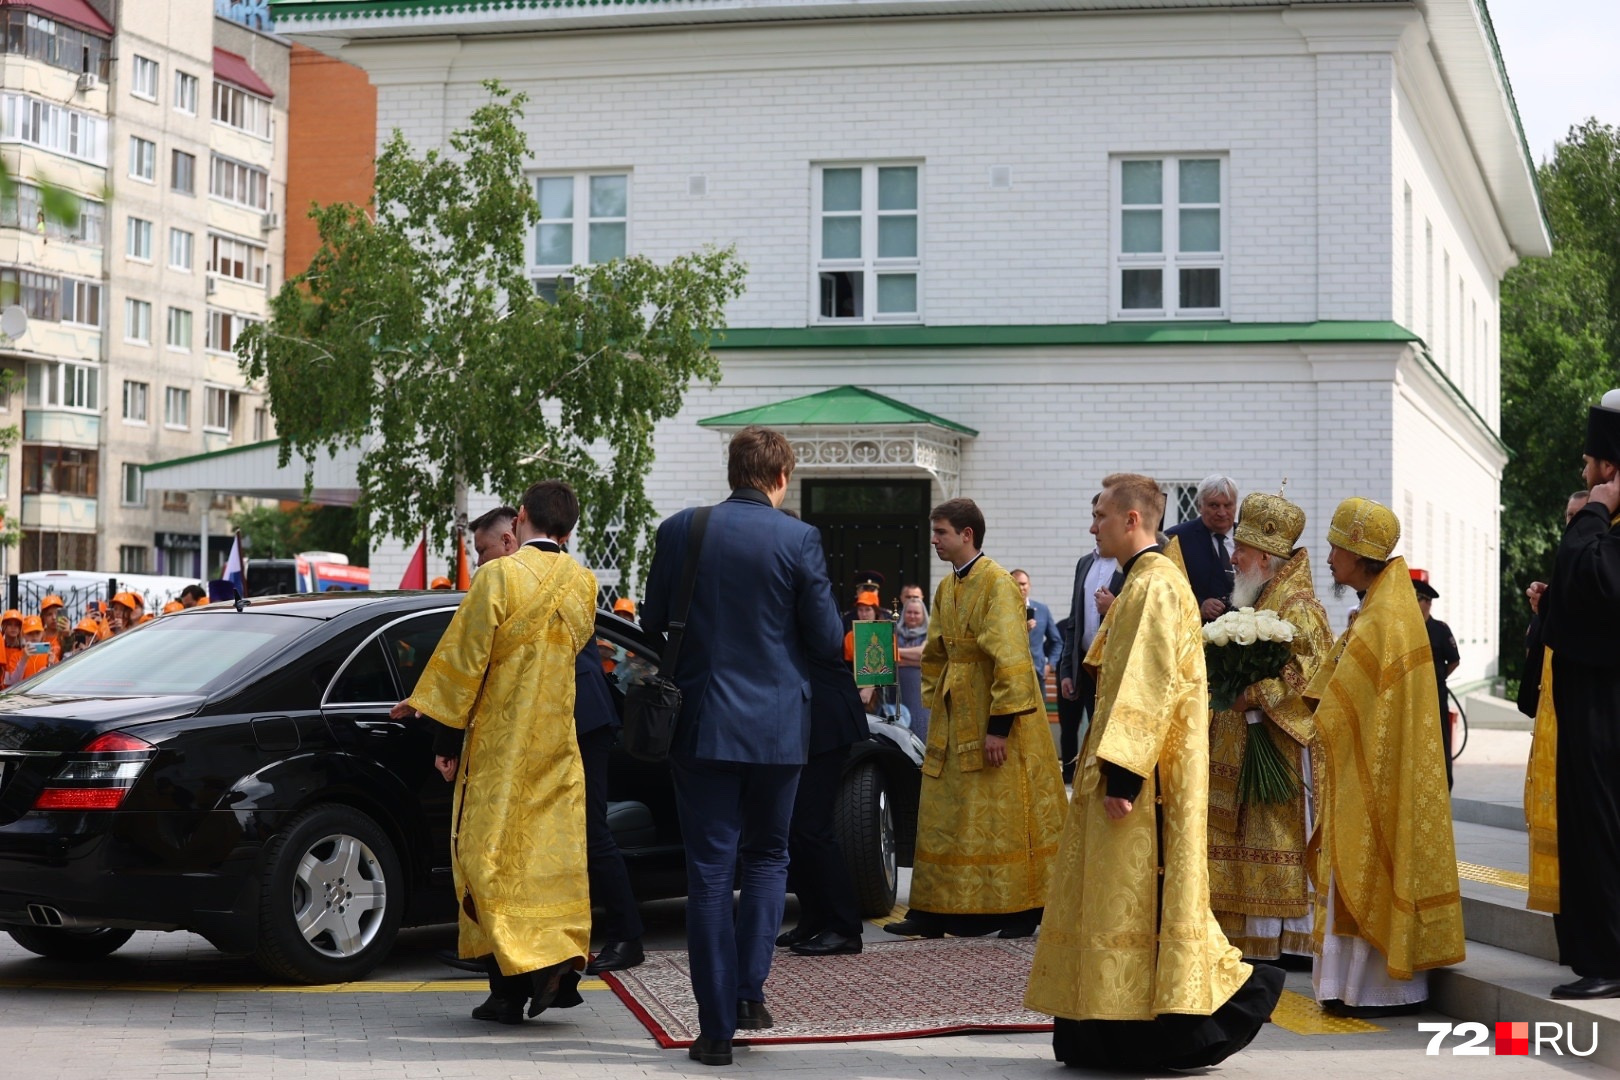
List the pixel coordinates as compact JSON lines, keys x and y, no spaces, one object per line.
{"x":181,"y":158}
{"x":1001,"y":250}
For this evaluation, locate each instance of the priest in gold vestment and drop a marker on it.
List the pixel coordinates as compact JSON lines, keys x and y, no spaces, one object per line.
{"x":504,"y":672}
{"x":1257,"y":882}
{"x":992,"y":795}
{"x":1383,"y":862}
{"x":1130,"y":959}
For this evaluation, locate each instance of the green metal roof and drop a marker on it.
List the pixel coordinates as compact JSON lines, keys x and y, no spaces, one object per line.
{"x":211,"y":455}
{"x":842,"y":406}
{"x":1115,"y":333}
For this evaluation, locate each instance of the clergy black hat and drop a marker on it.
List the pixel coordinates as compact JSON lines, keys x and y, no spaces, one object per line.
{"x":1603,"y":429}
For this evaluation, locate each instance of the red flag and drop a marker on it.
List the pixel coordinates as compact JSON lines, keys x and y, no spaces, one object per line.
{"x":463,"y":580}
{"x":416,"y":572}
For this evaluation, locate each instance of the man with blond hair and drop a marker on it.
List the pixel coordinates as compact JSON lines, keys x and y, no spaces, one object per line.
{"x":1131,"y":961}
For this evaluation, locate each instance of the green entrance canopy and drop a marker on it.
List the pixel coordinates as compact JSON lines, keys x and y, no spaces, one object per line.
{"x":851,"y":429}
{"x":842,"y":406}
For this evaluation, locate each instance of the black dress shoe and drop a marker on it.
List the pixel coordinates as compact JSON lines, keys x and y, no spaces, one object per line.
{"x":710,"y":1051}
{"x":753,"y":1016}
{"x":829,"y":943}
{"x":449,"y":956}
{"x":501,"y":1010}
{"x":616,"y":956}
{"x":1592,"y":986}
{"x":913,"y":928}
{"x":796,"y":936}
{"x":1023,"y":928}
{"x":548,"y":984}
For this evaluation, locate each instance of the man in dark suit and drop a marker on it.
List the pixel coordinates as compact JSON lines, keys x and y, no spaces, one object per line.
{"x":829,"y":910}
{"x":761,"y":607}
{"x":1094,"y":583}
{"x":1206,"y":545}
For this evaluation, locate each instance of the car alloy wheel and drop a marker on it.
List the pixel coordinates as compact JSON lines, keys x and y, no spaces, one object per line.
{"x":330,"y":904}
{"x":339,"y":896}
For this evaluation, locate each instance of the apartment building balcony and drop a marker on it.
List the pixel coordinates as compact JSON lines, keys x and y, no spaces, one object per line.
{"x":61,"y":427}
{"x":59,"y":512}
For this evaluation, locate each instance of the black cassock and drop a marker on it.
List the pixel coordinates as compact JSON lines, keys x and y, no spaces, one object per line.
{"x":1582,"y":627}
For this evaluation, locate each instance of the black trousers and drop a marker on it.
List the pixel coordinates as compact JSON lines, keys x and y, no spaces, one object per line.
{"x":816,"y":868}
{"x":610,"y":881}
{"x":1071,"y":714}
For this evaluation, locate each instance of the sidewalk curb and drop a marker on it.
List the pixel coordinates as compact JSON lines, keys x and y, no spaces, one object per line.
{"x":1496,"y":815}
{"x":1495,"y":984}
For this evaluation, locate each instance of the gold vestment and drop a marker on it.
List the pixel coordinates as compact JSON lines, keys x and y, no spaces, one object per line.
{"x":1113,"y":945}
{"x":1541,"y":798}
{"x":504,"y":671}
{"x":1384,"y":824}
{"x":985,"y":835}
{"x":1257,"y":850}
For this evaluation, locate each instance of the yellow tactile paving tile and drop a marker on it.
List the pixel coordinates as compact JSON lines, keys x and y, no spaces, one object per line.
{"x":894,"y":916}
{"x":380,"y":986}
{"x":1299,"y":1014}
{"x":1490,"y":875}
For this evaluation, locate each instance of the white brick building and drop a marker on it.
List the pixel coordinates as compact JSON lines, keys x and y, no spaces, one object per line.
{"x":1171,"y":236}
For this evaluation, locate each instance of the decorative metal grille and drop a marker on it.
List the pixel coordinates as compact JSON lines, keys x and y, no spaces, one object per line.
{"x":1181,"y":502}
{"x":831,"y":451}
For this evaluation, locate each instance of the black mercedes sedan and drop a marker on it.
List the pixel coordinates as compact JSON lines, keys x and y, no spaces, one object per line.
{"x":233,"y":771}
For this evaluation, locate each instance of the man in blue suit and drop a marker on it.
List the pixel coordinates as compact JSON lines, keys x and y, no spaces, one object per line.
{"x":761,"y":608}
{"x":1045,"y":639}
{"x":1206,"y":545}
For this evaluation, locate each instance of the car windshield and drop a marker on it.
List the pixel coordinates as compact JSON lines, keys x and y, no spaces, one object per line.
{"x":181,"y":655}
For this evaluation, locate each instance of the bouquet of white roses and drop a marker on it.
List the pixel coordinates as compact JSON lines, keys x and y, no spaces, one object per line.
{"x":1242,"y":648}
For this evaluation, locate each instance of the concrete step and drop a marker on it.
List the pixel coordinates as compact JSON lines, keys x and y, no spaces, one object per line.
{"x":1492,"y":867}
{"x":1496,"y":984}
{"x":1497,"y":815}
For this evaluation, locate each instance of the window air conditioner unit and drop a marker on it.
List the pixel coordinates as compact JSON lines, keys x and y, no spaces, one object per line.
{"x":88,"y":81}
{"x":212,"y":284}
{"x":270,"y":221}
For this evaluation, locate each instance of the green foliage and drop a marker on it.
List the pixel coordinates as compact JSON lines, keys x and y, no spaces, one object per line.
{"x":272,"y":532}
{"x":418,"y":337}
{"x":1560,"y":352}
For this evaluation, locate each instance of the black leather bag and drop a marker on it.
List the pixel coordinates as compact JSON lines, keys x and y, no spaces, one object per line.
{"x":652,"y":707}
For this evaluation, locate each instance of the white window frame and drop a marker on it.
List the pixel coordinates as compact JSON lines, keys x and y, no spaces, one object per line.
{"x":1170,"y":260}
{"x":138,"y":239}
{"x":143,"y":78}
{"x":171,"y":395}
{"x":142,"y":160}
{"x":252,"y":107}
{"x":219,"y":162}
{"x":216,"y":398}
{"x":869,"y":265}
{"x":80,"y":291}
{"x":137,"y":321}
{"x":182,"y":319}
{"x":175,"y":154}
{"x":137,"y":394}
{"x":53,"y":127}
{"x":218,"y":320}
{"x":186,"y":247}
{"x":185,"y":92}
{"x":548,"y":276}
{"x":261,"y":424}
{"x":253,"y":257}
{"x":63,"y":384}
{"x":132,"y":472}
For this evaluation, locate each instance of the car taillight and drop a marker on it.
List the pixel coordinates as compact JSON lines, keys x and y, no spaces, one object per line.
{"x":98,"y":776}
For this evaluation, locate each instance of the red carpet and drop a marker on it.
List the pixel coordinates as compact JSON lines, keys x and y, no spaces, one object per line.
{"x":892,"y":990}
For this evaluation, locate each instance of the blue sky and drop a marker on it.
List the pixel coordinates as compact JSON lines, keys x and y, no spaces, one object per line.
{"x":1563,"y":58}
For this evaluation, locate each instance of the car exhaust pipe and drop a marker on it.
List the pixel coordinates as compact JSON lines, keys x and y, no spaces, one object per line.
{"x":45,"y":916}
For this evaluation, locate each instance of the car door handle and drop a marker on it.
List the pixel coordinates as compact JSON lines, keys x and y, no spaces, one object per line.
{"x":379,"y":727}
